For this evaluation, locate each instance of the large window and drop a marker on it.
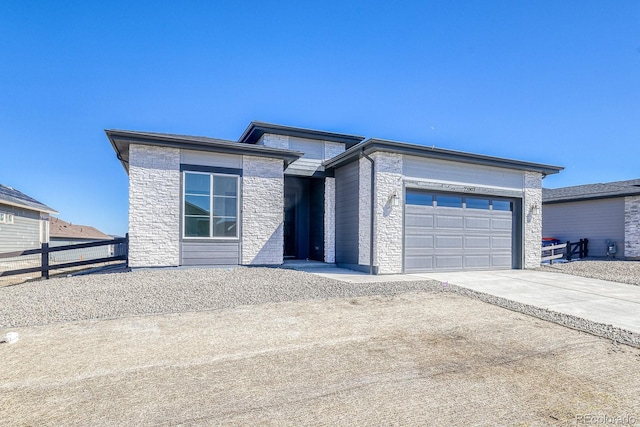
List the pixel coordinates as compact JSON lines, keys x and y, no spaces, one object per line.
{"x":210,"y":205}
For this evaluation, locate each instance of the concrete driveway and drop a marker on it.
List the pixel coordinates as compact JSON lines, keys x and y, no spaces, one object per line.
{"x":600,"y":301}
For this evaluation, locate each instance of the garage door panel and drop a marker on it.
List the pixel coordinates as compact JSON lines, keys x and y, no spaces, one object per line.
{"x":452,"y":238}
{"x":418,"y":263}
{"x":419,"y":242}
{"x":501,"y":242}
{"x":477,"y":242}
{"x":448,"y":242}
{"x":477,"y":261}
{"x":419,"y":220}
{"x":501,"y":261}
{"x":501,"y":223}
{"x":449,"y":262}
{"x":477,"y":223}
{"x":450,"y":222}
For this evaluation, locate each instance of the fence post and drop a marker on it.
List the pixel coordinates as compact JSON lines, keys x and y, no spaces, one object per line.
{"x":45,"y":261}
{"x":586,"y":248}
{"x":568,"y":250}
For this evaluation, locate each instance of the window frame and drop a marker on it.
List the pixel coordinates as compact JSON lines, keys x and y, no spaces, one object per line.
{"x":211,"y":195}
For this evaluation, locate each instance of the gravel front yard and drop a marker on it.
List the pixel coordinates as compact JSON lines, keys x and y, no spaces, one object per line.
{"x":159,"y":291}
{"x":598,"y":268}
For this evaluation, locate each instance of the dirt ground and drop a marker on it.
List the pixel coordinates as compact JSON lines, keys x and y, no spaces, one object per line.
{"x":414,"y":359}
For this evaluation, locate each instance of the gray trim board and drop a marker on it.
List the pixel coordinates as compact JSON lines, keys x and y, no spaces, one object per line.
{"x":210,"y":169}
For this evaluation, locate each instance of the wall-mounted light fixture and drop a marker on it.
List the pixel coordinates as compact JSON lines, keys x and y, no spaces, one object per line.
{"x":533,"y":210}
{"x":395,"y":200}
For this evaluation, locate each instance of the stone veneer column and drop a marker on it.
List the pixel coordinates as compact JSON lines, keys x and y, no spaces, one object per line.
{"x":364,"y":210}
{"x":388,"y":218}
{"x":532,"y":233}
{"x":262,"y":210}
{"x":632,"y":226}
{"x":154,"y":206}
{"x":329,"y":220}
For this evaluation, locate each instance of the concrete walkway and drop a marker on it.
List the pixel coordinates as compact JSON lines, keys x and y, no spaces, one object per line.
{"x":601,"y":301}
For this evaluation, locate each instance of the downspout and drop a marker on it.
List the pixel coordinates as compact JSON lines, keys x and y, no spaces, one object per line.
{"x":373,"y":210}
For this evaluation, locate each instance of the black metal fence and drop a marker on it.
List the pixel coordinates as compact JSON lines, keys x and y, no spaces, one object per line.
{"x":72,"y":256}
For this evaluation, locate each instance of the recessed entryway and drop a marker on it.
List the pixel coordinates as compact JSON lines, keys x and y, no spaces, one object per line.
{"x":303,"y":218}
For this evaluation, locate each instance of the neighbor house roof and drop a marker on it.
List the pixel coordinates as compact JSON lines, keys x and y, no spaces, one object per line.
{"x":256,"y":129}
{"x":11,"y":196}
{"x":591,"y":191}
{"x":121,"y":140}
{"x":372,"y":145}
{"x":65,"y":230}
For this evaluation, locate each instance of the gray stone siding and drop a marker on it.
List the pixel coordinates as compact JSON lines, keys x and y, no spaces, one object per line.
{"x":262,"y":211}
{"x":330,"y":220}
{"x":364,"y":209}
{"x":532,"y":233}
{"x":275,"y":141}
{"x":388,"y":218}
{"x":632,"y":227}
{"x":154,"y":206}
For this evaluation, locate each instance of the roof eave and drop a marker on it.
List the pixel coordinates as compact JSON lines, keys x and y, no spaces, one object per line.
{"x":588,"y":198}
{"x":218,"y":146}
{"x":44,"y":209}
{"x":371,"y":145}
{"x":256,"y":129}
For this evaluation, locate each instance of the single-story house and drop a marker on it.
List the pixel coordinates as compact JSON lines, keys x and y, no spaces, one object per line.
{"x":24,"y":221}
{"x":602,"y":213}
{"x":282,"y":192}
{"x":62,"y":233}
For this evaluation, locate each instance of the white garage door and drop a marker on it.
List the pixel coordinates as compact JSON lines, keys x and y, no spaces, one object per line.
{"x":457,"y":232}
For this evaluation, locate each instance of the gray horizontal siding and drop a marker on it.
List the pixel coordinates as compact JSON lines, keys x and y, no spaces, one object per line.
{"x":210,"y":253}
{"x":442,"y":170}
{"x":23,"y":234}
{"x":312,"y":149}
{"x":203,"y":158}
{"x":347,"y":213}
{"x":597,"y":220}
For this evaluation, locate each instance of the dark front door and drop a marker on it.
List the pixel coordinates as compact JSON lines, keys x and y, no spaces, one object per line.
{"x":304,"y":218}
{"x":289,"y":225}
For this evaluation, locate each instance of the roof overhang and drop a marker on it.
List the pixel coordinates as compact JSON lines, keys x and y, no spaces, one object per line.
{"x":372,"y":145}
{"x":255,"y":130}
{"x":122,"y":139}
{"x":43,"y":209}
{"x":586,"y":198}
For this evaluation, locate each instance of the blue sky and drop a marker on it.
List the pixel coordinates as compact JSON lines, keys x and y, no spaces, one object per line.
{"x":546,"y":81}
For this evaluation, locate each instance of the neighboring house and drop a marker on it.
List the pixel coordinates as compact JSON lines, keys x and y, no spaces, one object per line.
{"x":598,"y":212}
{"x":24,"y":221}
{"x":282,"y":192}
{"x":63,"y":233}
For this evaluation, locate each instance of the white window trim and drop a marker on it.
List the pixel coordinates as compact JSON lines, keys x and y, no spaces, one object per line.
{"x":211,"y":197}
